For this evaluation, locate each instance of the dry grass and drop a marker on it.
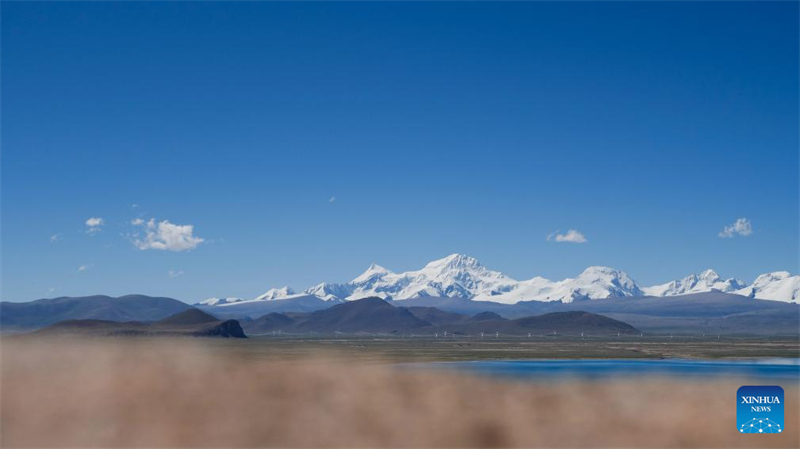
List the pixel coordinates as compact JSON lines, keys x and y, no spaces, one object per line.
{"x":180,"y":394}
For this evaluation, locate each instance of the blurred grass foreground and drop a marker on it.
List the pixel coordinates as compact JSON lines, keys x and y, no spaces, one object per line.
{"x":179,"y":393}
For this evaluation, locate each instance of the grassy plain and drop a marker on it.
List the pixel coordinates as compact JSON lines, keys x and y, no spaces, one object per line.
{"x":427,"y":349}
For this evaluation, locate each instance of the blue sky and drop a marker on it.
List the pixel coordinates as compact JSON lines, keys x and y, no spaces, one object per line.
{"x":436,"y":128}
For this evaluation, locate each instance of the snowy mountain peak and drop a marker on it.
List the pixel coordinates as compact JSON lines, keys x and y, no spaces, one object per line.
{"x":276,"y":293}
{"x":612,"y":283}
{"x":603,"y":272}
{"x":328,"y":292}
{"x":604,"y":282}
{"x":709,"y":275}
{"x":374,"y":271}
{"x":598,"y":270}
{"x":457,"y":276}
{"x":454,"y":262}
{"x":218,"y":301}
{"x":706,"y":281}
{"x":376,"y":268}
{"x":779,"y":285}
{"x":772,"y":277}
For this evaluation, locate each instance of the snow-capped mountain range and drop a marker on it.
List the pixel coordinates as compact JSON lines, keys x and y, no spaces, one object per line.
{"x":461,"y":276}
{"x":696,"y":283}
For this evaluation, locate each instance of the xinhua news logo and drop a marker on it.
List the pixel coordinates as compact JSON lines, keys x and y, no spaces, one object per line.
{"x":759,"y":409}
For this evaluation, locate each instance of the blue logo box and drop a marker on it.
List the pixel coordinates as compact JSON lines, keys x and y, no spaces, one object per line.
{"x":759,"y":409}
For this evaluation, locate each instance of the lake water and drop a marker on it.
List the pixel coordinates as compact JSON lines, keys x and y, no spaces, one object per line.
{"x":765,"y":369}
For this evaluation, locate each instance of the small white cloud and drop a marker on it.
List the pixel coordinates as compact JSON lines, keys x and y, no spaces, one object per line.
{"x":174,"y":273}
{"x":166,"y":236}
{"x":571,"y":236}
{"x":134,"y":206}
{"x":51,"y":290}
{"x":332,"y":199}
{"x":93,"y":225}
{"x":741,"y":226}
{"x":55,"y":238}
{"x":83,"y":268}
{"x":137,"y":222}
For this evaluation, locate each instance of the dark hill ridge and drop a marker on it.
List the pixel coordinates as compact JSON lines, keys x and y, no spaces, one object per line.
{"x":573,"y":323}
{"x":188,"y":318}
{"x":577,"y":321}
{"x":709,"y":312}
{"x":374,"y":315}
{"x":364,"y":315}
{"x":712,"y":312}
{"x":270,"y":322}
{"x":91,"y":325}
{"x":435,"y":316}
{"x":191,"y":323}
{"x":484,"y":316}
{"x":44,"y":312}
{"x":581,"y":318}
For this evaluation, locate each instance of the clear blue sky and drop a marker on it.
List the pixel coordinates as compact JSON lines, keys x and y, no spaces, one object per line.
{"x":438,"y":128}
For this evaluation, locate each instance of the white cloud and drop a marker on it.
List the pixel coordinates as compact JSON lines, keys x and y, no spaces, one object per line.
{"x":174,"y":273}
{"x":741,"y":226}
{"x":51,"y":290}
{"x":93,"y":225}
{"x":83,"y":268}
{"x":55,"y":238}
{"x":137,"y":222}
{"x":166,"y":236}
{"x":571,"y":236}
{"x":332,"y":199}
{"x":94,"y":221}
